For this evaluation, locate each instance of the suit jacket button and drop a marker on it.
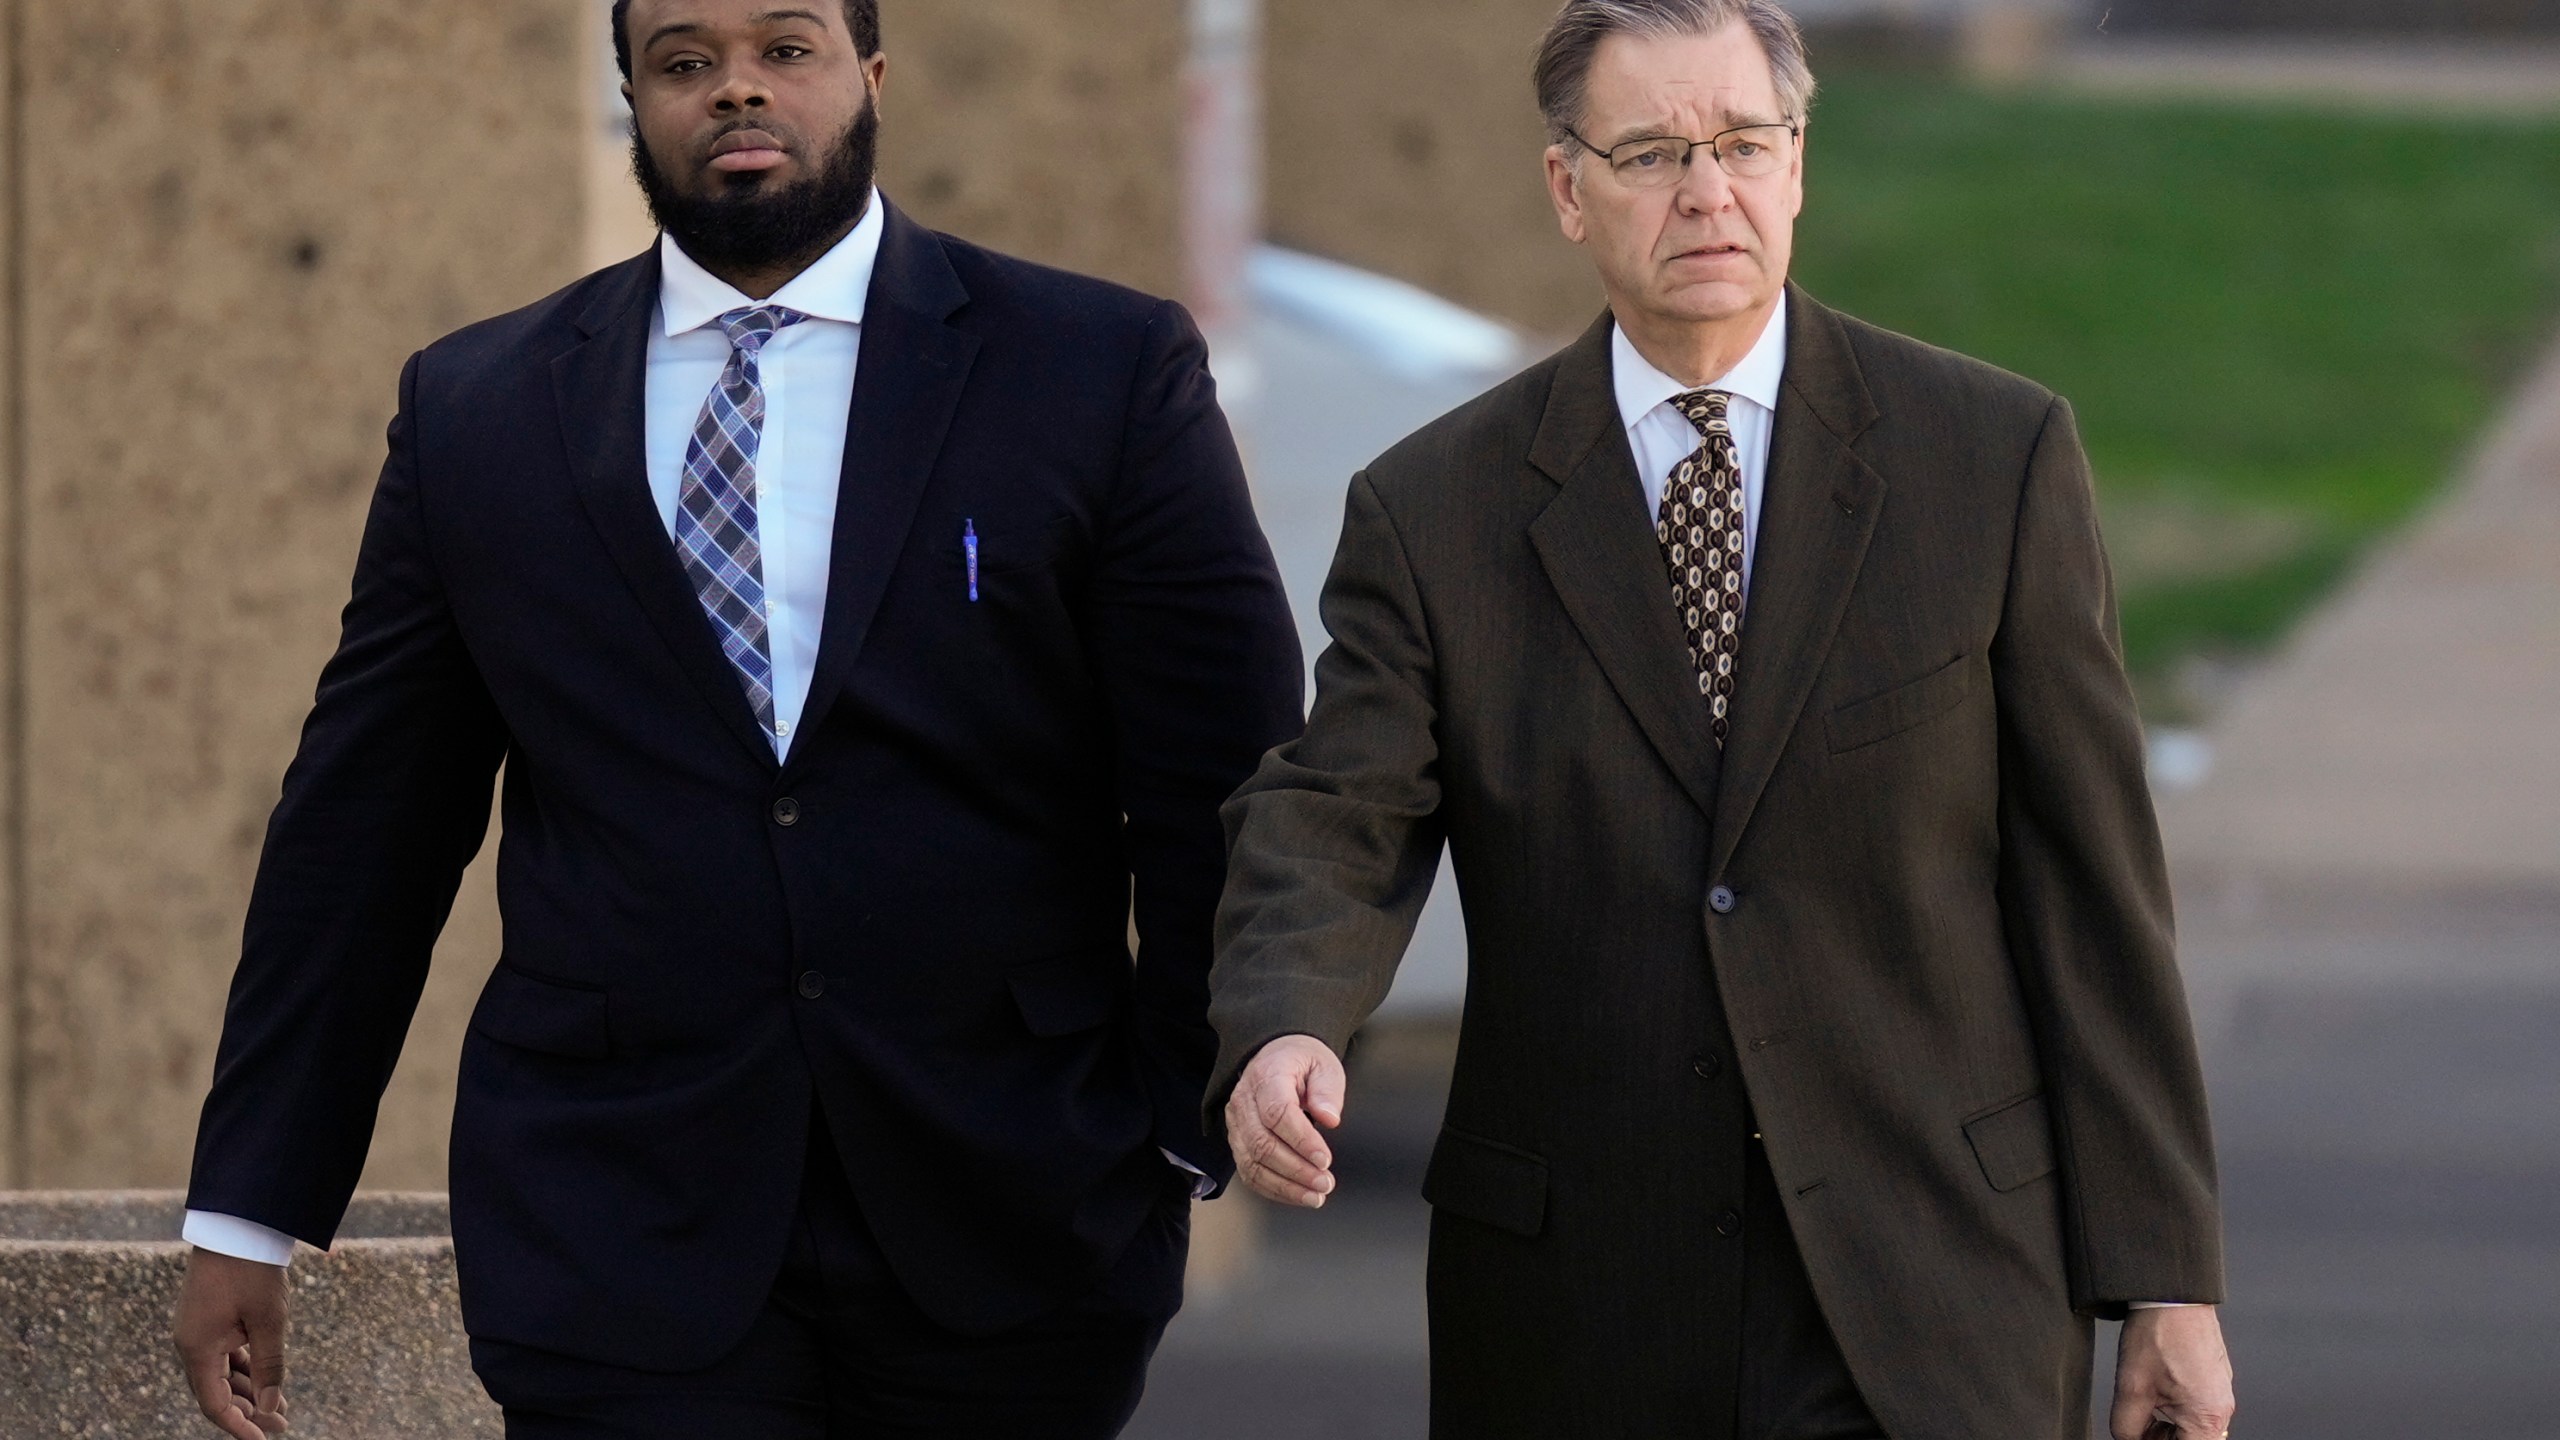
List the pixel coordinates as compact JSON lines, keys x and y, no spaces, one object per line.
{"x":1729,"y":1224}
{"x":786,"y":812}
{"x":1708,"y":1066}
{"x":812,"y":985}
{"x":1720,"y":900}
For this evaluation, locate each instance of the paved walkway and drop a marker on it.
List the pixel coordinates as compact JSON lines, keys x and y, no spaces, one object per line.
{"x":2411,"y":735}
{"x":2406,"y":76}
{"x":2369,"y":894}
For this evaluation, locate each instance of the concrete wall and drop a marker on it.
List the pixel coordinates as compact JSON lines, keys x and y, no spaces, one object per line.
{"x":1050,"y":129}
{"x":1405,"y":139}
{"x":13,"y":1091}
{"x":236,"y":218}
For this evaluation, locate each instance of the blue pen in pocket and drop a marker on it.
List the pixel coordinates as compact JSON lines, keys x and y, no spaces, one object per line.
{"x":969,"y":546}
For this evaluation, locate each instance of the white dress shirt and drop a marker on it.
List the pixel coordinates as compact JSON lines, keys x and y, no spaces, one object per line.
{"x":1663,"y":437}
{"x":808,"y":373}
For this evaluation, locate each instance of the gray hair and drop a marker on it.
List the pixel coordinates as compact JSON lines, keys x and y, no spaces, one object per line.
{"x":1574,"y":40}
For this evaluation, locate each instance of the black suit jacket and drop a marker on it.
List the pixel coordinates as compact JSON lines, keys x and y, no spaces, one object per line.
{"x":1913,"y":916}
{"x":921,"y":920}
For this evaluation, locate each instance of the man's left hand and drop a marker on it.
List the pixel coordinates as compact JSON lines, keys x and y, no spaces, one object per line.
{"x":2173,"y":1376}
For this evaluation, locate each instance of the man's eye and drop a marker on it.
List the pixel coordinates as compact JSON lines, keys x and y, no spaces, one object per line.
{"x":1743,"y":150}
{"x":788,"y":52}
{"x":1643,"y":160}
{"x":685,"y":67}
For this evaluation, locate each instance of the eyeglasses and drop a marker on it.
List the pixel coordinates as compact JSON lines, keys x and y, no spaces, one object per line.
{"x":1657,"y":162}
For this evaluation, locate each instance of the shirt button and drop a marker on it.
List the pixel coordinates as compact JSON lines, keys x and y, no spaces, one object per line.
{"x":1729,"y":1224}
{"x":1708,"y":1066}
{"x":782,"y":729}
{"x":786,"y":812}
{"x":812,"y":985}
{"x":1721,"y":900}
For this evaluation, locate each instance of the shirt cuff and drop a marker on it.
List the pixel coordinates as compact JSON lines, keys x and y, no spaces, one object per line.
{"x":2160,"y":1305}
{"x":1200,"y":1188}
{"x":240,"y":1239}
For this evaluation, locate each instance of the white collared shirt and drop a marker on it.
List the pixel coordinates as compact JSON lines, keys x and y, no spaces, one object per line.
{"x":808,"y":374}
{"x":1662,"y":437}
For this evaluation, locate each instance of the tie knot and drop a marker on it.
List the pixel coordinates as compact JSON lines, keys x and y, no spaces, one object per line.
{"x":1709,"y":410}
{"x":750,"y":328}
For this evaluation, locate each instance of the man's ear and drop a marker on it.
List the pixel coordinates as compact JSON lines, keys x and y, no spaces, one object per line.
{"x":1804,"y":135}
{"x":1564,"y":182}
{"x":875,"y":73}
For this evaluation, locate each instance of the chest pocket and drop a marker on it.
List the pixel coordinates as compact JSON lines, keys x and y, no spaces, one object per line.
{"x":1005,"y":549}
{"x":1865,"y":722}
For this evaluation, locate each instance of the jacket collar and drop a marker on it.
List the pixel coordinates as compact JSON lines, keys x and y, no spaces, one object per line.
{"x":1599,"y":551}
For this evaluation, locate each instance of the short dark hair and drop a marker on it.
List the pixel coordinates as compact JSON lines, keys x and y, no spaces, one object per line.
{"x":862,"y":17}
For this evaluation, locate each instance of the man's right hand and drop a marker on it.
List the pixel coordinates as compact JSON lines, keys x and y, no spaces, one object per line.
{"x":231,"y":1331}
{"x":1293,"y":1085}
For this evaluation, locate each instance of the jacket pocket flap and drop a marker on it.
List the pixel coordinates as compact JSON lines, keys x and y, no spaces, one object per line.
{"x":2014,"y":1143}
{"x":1070,"y":993}
{"x":1488,"y":1181}
{"x":553,"y":1017}
{"x":1864,"y":722}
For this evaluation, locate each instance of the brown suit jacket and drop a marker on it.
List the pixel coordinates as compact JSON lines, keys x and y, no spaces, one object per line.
{"x":1913,"y":918}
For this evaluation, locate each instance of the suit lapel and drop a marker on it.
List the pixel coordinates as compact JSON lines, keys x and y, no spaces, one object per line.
{"x":1601,"y":556}
{"x":913,"y":370}
{"x":1818,"y":511}
{"x":601,"y":390}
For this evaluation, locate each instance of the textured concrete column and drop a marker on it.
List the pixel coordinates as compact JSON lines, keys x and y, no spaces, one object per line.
{"x":13,"y":1090}
{"x":1405,"y":139}
{"x":88,"y":1281}
{"x":238,"y":216}
{"x":1049,"y":129}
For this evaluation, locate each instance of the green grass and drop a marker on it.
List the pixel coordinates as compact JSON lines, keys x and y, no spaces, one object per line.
{"x":2276,"y":320}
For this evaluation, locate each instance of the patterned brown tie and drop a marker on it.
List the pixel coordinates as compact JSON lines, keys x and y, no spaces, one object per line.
{"x":1701,"y":529}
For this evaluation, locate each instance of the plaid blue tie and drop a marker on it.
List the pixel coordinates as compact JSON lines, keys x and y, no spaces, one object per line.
{"x":716,"y":533}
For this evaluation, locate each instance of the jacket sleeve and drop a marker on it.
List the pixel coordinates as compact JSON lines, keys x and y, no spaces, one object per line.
{"x":1192,"y":636}
{"x":1336,"y":841}
{"x":2085,"y":899}
{"x":385,"y":804}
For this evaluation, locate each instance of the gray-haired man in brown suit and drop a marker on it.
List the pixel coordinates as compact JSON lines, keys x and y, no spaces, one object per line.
{"x":1826,"y":1067}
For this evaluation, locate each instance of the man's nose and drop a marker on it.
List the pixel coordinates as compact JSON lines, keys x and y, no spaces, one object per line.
{"x":1704,"y":188}
{"x":740,"y":92}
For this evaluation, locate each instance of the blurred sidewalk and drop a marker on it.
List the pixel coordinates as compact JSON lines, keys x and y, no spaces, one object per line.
{"x":2369,"y":894}
{"x":1326,"y":1339}
{"x":2402,"y":76}
{"x":2411,"y":734}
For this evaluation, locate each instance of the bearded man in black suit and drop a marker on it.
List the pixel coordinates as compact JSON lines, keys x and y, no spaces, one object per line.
{"x":860,"y":617}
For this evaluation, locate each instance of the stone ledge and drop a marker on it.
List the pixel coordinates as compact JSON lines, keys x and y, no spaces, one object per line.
{"x":88,"y":1283}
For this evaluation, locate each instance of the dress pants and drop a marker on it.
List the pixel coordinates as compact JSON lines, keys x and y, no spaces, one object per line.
{"x":1794,"y":1384}
{"x":841,"y":1353}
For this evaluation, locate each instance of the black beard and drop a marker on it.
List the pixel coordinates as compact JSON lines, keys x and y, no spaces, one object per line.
{"x":753,"y":228}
